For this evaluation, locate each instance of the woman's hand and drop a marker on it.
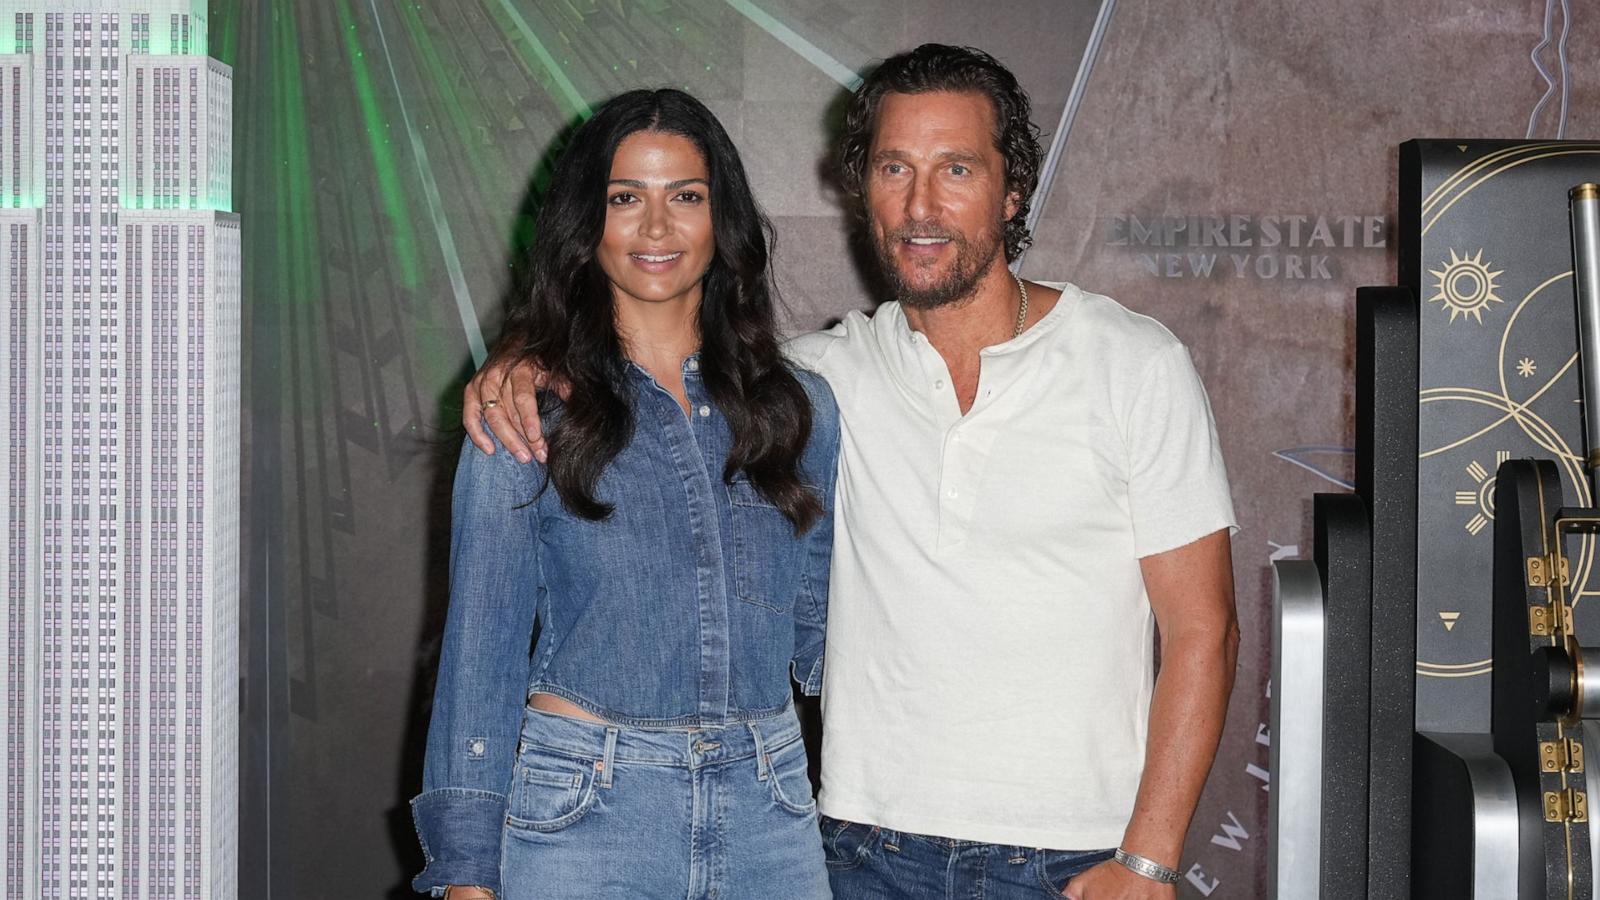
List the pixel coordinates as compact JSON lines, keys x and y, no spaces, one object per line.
{"x":467,"y":892}
{"x":502,"y":396}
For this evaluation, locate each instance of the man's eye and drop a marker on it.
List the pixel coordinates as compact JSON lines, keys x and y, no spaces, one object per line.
{"x":620,"y":199}
{"x":959,"y":169}
{"x":893,"y":169}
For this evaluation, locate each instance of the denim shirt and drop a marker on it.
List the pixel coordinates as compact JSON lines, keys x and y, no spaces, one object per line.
{"x":688,"y":607}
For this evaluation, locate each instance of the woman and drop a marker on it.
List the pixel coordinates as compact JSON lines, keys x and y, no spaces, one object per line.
{"x":671,"y":556}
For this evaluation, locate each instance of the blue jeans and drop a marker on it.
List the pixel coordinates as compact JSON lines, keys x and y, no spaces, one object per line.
{"x":866,"y":862}
{"x":599,"y":811}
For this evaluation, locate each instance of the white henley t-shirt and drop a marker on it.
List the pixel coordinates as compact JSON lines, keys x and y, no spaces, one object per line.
{"x":988,"y":670}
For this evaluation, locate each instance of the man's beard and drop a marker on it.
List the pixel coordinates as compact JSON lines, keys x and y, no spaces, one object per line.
{"x":972,"y":259}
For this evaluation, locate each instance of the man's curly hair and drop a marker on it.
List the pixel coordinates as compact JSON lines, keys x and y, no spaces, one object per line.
{"x":940,"y":67}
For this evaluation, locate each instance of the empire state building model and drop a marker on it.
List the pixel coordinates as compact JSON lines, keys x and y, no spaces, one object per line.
{"x":119,"y":452}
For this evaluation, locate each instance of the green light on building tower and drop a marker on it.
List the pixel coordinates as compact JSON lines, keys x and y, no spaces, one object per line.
{"x":176,"y":27}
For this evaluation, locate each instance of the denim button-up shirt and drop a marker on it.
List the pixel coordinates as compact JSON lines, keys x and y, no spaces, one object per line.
{"x":689,"y":607}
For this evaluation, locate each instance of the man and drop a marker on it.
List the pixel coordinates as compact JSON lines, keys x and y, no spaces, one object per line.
{"x":1029,"y":487}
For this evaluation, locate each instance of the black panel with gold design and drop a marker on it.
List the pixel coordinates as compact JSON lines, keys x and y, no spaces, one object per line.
{"x":1484,"y":243}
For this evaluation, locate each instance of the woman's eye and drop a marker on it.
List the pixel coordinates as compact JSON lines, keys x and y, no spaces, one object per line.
{"x":620,"y":199}
{"x":690,"y":197}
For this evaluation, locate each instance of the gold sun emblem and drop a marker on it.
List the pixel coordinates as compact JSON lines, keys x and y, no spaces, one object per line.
{"x":1481,"y":498}
{"x":1466,"y":286}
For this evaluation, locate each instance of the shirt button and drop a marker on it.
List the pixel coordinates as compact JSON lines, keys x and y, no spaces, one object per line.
{"x":705,"y":411}
{"x":938,"y":385}
{"x":951,"y":493}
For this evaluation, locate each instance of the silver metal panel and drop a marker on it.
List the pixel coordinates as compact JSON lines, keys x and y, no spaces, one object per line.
{"x":1585,"y":210}
{"x":1495,"y":826}
{"x":1069,"y":112}
{"x":1591,"y":786}
{"x":1588,"y":694}
{"x":1294,"y":806}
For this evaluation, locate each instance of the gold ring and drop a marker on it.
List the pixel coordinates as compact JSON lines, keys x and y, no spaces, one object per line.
{"x":490,"y":404}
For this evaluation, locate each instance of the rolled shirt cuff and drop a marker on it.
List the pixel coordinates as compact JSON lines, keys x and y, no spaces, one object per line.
{"x":459,"y":829}
{"x":811,"y":684}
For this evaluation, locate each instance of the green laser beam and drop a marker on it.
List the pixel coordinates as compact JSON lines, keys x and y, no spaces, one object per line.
{"x":441,"y":224}
{"x":296,"y":236}
{"x":384,"y":164}
{"x":456,"y":107}
{"x":563,"y":83}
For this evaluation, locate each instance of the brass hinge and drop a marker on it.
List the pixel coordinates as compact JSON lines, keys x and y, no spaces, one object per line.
{"x":1544,"y":621}
{"x":1540,"y":567}
{"x":1569,"y":805}
{"x":1565,"y":754}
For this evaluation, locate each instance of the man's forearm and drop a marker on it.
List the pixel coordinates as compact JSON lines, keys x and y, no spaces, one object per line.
{"x":1187,"y":709}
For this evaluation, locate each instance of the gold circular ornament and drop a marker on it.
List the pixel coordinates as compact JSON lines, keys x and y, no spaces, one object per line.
{"x":1466,"y":286}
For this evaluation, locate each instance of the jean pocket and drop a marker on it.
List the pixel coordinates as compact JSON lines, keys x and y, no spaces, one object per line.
{"x":1057,"y":867}
{"x":545,"y":798}
{"x":766,"y":561}
{"x":846,"y":845}
{"x":790,"y":780}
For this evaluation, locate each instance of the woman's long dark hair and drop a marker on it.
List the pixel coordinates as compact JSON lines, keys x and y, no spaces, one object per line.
{"x":568,"y":327}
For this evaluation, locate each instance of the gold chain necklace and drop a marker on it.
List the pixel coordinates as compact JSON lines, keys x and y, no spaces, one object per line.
{"x":1022,"y":308}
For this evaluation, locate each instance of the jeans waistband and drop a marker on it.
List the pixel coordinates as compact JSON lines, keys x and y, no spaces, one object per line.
{"x":583,"y":739}
{"x":892,"y":838}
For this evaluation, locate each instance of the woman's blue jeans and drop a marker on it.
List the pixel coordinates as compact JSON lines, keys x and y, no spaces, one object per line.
{"x":598,"y":811}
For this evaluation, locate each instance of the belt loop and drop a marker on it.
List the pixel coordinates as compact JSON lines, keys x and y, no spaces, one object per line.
{"x":763,"y":765}
{"x":607,"y":762}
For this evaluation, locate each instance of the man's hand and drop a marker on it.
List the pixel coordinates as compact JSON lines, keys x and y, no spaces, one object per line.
{"x":502,"y":397}
{"x":467,"y":892}
{"x":1112,"y":880}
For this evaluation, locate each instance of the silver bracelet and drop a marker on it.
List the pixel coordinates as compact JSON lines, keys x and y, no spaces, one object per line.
{"x":1149,"y":868}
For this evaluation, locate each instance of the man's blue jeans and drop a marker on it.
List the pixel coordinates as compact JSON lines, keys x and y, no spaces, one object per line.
{"x":866,"y":862}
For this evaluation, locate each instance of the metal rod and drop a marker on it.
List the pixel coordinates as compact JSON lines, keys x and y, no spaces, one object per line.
{"x":1585,"y":206}
{"x":1069,"y":112}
